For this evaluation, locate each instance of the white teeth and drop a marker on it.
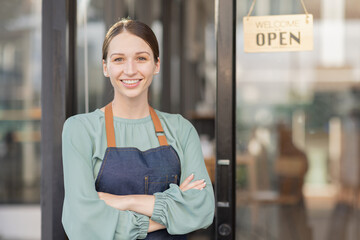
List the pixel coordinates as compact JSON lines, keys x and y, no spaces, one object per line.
{"x":130,"y":81}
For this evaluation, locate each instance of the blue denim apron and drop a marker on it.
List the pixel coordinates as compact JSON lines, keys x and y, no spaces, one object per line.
{"x":126,"y":171}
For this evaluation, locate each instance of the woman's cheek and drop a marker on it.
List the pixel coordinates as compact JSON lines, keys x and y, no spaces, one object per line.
{"x":147,"y":70}
{"x":115,"y":71}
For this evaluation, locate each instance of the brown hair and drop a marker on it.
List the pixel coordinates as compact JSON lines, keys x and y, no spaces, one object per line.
{"x":136,"y":28}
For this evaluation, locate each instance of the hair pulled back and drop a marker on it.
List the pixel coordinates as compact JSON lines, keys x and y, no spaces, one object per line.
{"x":136,"y":28}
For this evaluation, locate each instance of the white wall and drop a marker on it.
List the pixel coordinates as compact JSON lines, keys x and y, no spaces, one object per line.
{"x":20,"y":222}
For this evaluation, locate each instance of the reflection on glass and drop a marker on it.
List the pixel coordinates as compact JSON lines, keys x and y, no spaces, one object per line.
{"x":90,"y":34}
{"x":20,"y":87}
{"x":93,"y":20}
{"x":298,"y":173}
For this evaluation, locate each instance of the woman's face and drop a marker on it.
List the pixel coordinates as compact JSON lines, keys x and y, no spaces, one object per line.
{"x":130,"y":65}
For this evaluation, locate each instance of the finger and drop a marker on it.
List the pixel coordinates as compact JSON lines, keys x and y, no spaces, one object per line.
{"x":195,"y":185}
{"x":200,"y":186}
{"x":186,"y":181}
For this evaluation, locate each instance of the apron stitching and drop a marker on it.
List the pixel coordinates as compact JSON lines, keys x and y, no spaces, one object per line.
{"x":176,"y":176}
{"x":146,"y":184}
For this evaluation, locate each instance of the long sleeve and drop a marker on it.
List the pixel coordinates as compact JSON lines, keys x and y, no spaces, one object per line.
{"x":184,"y":212}
{"x":85,"y":216}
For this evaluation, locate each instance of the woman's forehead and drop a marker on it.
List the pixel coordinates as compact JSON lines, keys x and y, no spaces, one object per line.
{"x":126,"y":43}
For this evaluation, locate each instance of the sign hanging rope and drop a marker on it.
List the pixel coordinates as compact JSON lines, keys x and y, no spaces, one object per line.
{"x":254,"y":2}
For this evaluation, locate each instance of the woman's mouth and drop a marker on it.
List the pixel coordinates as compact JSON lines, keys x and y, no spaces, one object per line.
{"x":130,"y":83}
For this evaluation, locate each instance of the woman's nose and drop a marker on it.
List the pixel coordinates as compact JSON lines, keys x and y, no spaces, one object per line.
{"x":130,"y":67}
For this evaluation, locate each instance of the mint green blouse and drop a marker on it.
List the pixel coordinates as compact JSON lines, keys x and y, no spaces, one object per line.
{"x":85,"y":216}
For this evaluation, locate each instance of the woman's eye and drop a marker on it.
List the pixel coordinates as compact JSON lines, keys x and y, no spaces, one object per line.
{"x":142,"y":58}
{"x":119,"y":59}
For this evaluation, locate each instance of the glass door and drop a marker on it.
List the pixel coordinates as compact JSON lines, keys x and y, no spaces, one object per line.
{"x":20,"y":119}
{"x":297,"y":129}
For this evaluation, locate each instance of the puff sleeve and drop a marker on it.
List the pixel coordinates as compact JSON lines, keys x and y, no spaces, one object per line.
{"x":85,"y":216}
{"x":184,"y":212}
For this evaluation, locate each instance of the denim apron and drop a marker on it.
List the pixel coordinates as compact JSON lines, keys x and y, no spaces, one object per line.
{"x":126,"y":171}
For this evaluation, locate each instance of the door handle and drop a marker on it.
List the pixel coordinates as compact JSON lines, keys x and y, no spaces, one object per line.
{"x":224,"y":195}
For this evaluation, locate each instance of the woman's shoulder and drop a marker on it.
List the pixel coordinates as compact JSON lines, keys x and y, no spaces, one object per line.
{"x":177,"y":125}
{"x":82,"y":121}
{"x":174,"y":119}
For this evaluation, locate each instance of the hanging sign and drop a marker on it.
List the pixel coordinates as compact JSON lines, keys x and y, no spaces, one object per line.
{"x":278,"y":33}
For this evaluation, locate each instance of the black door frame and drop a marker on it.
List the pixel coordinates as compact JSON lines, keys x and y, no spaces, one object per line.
{"x":57,"y":104}
{"x":225,"y":120}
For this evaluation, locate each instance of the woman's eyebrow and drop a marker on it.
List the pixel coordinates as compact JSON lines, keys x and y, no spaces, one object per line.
{"x":137,"y":53}
{"x":142,"y":53}
{"x":116,"y":54}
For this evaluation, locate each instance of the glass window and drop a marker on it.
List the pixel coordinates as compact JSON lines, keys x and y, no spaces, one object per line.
{"x":20,"y":114}
{"x":298,"y":129}
{"x":20,"y":87}
{"x":91,"y":30}
{"x":93,"y":20}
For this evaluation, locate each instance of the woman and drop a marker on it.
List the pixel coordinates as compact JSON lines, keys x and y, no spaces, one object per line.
{"x":123,"y":163}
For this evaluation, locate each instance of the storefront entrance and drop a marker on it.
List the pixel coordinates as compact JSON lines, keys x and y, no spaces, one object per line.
{"x":280,"y":131}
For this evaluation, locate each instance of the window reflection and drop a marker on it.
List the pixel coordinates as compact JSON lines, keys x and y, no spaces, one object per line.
{"x":93,"y":20}
{"x":20,"y":86}
{"x":90,"y":31}
{"x":297,"y":129}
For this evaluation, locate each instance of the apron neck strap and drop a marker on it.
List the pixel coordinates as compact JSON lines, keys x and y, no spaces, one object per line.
{"x":109,"y":125}
{"x":158,"y":128}
{"x":110,"y":132}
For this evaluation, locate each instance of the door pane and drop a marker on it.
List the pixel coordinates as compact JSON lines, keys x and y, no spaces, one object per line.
{"x":20,"y":87}
{"x":20,"y":114}
{"x":90,"y":83}
{"x":298,"y":160}
{"x":94,"y":18}
{"x":187,"y":53}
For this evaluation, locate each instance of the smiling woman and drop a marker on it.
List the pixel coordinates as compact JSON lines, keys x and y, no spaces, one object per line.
{"x":131,"y":66}
{"x":132,"y":172}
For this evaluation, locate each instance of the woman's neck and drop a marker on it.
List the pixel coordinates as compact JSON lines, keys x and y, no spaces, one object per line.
{"x":130,"y":108}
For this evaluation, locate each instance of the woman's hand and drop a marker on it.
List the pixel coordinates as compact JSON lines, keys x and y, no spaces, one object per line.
{"x":187,"y":184}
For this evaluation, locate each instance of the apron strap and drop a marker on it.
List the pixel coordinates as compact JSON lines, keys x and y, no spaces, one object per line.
{"x":110,"y":132}
{"x":109,"y":125}
{"x":158,"y":128}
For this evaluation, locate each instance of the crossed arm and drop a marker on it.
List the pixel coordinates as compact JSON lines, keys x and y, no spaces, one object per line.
{"x":144,"y":204}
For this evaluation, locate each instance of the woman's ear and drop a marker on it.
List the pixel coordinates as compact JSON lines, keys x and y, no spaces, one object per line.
{"x":157,"y":66}
{"x":105,"y":69}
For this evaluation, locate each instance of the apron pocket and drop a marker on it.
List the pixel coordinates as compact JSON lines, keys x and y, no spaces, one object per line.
{"x":154,"y":184}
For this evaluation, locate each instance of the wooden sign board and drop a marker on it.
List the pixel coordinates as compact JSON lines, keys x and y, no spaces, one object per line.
{"x":278,"y":33}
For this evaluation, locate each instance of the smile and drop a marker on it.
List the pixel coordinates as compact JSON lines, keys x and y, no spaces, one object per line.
{"x":131,"y":83}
